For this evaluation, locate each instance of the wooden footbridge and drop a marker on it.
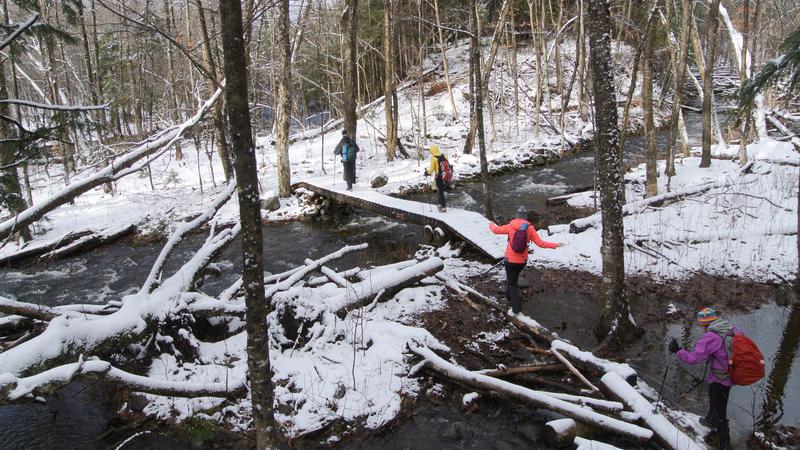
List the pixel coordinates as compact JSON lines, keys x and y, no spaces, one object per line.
{"x":468,"y":226}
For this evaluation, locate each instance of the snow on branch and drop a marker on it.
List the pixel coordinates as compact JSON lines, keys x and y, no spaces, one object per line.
{"x":13,"y":307}
{"x":537,"y":398}
{"x":13,"y":388}
{"x":51,"y":107}
{"x":19,"y":30}
{"x":180,"y":231}
{"x":110,"y":173}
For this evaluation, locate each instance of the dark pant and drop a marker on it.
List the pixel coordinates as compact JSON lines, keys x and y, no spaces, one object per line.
{"x":349,"y":173}
{"x":512,"y":289}
{"x":718,"y":413}
{"x":441,"y":186}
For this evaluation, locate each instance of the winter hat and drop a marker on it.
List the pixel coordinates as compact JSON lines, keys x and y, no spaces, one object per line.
{"x":706,"y":316}
{"x":522,"y":213}
{"x":344,"y":132}
{"x":434,"y":148}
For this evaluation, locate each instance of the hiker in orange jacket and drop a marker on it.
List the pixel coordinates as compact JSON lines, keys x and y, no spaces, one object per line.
{"x":515,"y":261}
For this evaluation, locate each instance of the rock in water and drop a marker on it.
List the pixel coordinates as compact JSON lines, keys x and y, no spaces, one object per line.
{"x":270,"y":201}
{"x":379,"y":179}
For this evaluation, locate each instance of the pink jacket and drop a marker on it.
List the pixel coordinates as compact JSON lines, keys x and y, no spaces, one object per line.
{"x":509,"y":229}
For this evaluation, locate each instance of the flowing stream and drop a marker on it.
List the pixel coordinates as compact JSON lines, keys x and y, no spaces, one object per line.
{"x":79,"y":415}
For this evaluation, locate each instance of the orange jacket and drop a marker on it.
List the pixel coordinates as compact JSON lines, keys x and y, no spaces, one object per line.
{"x":514,"y":225}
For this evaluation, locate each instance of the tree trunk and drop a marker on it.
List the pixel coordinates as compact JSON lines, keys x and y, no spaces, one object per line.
{"x":284,"y":115}
{"x":708,"y":85}
{"x":616,"y":322}
{"x":475,"y":49}
{"x":9,"y":177}
{"x":453,"y":110}
{"x":650,"y":156}
{"x":680,"y":71}
{"x":744,"y":74}
{"x":172,"y":94}
{"x":388,"y":79}
{"x":236,"y":96}
{"x":217,"y":117}
{"x":349,"y":60}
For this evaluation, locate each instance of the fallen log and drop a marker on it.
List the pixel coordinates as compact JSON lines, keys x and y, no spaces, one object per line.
{"x":561,"y":199}
{"x":575,"y":371}
{"x":588,"y":360}
{"x":536,"y":398}
{"x":40,"y":249}
{"x":666,"y":434}
{"x":14,"y":389}
{"x":503,"y":372}
{"x":587,"y":444}
{"x":38,"y":312}
{"x":87,"y":242}
{"x":562,"y":432}
{"x":364,"y":292}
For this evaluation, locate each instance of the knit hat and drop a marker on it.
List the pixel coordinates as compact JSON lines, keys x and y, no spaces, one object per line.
{"x":344,"y":132}
{"x":522,"y":213}
{"x":706,"y":316}
{"x":434,"y":148}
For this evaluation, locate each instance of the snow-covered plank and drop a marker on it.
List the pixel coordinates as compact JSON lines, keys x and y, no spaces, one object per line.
{"x":470,"y":226}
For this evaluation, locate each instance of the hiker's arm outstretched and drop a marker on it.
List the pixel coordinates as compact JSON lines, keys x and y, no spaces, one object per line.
{"x":498,"y":229}
{"x":534,"y":237}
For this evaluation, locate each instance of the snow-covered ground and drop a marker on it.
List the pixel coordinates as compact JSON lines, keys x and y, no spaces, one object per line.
{"x":744,"y":225}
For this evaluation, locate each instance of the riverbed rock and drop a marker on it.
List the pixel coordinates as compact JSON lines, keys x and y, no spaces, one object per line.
{"x":378,"y":179}
{"x":137,"y":403}
{"x":270,"y":201}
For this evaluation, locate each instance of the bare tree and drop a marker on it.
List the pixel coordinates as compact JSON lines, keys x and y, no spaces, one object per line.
{"x":651,"y":173}
{"x":389,"y":94}
{"x":678,"y":75}
{"x":349,"y":24}
{"x":616,"y":324}
{"x":238,"y":111}
{"x":708,"y":82}
{"x":284,"y":116}
{"x":475,"y":51}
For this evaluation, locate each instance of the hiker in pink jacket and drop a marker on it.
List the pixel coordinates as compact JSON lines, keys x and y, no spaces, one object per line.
{"x":515,"y":261}
{"x":711,"y":348}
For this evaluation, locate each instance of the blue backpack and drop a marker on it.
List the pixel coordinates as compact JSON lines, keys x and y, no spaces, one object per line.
{"x":347,"y":153}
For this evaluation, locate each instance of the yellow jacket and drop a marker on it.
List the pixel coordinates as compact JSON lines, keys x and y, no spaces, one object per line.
{"x":434,"y":167}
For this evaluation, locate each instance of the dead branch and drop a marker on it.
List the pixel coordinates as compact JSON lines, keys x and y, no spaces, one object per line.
{"x":38,"y":312}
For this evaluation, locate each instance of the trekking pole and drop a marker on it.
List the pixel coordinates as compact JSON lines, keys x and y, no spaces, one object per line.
{"x":492,"y":268}
{"x":663,"y":382}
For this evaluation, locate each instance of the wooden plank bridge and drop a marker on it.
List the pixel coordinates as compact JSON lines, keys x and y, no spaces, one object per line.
{"x":469,"y":226}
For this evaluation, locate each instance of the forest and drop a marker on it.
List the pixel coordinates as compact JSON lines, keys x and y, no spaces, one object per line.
{"x":291,"y":224}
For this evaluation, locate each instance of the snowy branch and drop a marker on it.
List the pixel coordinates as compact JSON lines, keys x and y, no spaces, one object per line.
{"x":51,"y":107}
{"x":20,"y":29}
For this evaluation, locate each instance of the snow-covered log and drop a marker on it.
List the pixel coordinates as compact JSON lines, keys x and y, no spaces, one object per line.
{"x":68,"y":336}
{"x":587,"y":444}
{"x":302,"y":271}
{"x":181,"y":230}
{"x":88,"y":242}
{"x":667,"y":434}
{"x":561,"y":433}
{"x":38,"y":312}
{"x":536,"y":398}
{"x":42,"y":248}
{"x":587,"y":359}
{"x":583,"y":224}
{"x":574,"y":370}
{"x":387,"y":285}
{"x":14,"y":389}
{"x":521,"y":321}
{"x":502,"y":372}
{"x":112,"y":172}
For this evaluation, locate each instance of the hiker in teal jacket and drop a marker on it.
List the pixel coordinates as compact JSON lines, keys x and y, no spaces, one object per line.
{"x":348,"y":149}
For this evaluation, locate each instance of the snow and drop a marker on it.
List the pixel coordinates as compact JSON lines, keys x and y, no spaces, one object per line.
{"x":623,"y":370}
{"x":587,"y":444}
{"x":469,"y":397}
{"x":561,"y":426}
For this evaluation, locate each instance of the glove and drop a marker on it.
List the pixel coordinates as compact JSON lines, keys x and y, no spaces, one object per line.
{"x":673,"y":346}
{"x":426,"y":172}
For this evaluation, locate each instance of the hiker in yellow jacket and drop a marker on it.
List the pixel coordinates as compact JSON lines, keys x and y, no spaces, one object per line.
{"x":442,"y":172}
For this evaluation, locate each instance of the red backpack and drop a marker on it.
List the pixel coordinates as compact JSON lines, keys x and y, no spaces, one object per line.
{"x":745,"y":361}
{"x":445,"y":169}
